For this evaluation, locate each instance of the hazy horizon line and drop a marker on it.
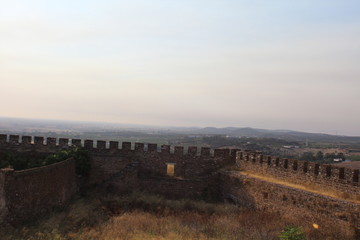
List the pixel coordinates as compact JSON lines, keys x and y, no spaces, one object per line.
{"x":133,"y":125}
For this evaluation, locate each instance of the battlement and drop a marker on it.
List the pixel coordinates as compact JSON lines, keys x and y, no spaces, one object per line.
{"x":16,"y":142}
{"x":258,"y":162}
{"x":248,"y":160}
{"x":177,"y":171}
{"x":337,"y":179}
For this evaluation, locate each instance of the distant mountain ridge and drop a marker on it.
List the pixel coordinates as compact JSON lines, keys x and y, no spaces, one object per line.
{"x":29,"y":125}
{"x":265,"y":133}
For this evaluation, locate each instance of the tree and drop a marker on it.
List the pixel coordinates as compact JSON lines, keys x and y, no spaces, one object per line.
{"x":340,"y":155}
{"x":330,"y":156}
{"x":307,"y":156}
{"x":319,"y":156}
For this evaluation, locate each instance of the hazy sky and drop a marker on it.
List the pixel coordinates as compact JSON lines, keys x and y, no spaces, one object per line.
{"x":266,"y":64}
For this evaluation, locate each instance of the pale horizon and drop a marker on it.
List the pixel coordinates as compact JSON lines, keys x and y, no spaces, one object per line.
{"x":106,"y":125}
{"x":259,"y":64}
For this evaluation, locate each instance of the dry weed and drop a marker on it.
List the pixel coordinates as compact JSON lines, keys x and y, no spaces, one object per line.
{"x":141,"y":216}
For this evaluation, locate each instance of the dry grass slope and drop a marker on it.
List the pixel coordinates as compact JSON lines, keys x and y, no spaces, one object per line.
{"x":140,"y":216}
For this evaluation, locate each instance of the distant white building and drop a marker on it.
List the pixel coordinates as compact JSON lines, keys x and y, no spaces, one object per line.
{"x":290,"y":146}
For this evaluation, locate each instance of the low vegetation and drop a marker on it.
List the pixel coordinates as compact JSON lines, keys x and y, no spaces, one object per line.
{"x":26,"y":160}
{"x":292,"y":233}
{"x":141,"y":216}
{"x":320,"y":157}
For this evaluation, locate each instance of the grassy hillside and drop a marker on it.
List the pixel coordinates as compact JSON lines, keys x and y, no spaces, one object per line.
{"x":141,"y":216}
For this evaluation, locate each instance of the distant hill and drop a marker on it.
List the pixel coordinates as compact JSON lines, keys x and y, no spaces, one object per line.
{"x":18,"y":125}
{"x":281,"y":134}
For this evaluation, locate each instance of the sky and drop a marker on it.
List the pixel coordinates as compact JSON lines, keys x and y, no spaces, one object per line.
{"x":267,"y":64}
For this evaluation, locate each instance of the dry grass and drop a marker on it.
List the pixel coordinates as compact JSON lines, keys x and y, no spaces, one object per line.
{"x":138,"y":216}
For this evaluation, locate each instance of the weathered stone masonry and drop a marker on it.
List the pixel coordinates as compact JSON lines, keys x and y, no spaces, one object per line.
{"x":263,"y":195}
{"x":29,"y":193}
{"x":141,"y":166}
{"x":321,"y":176}
{"x":196,"y":174}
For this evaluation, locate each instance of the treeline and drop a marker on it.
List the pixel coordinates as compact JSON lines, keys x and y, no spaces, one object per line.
{"x":260,"y":144}
{"x":321,"y":157}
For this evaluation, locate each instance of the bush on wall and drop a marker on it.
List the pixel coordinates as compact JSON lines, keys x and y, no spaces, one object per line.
{"x":21,"y":161}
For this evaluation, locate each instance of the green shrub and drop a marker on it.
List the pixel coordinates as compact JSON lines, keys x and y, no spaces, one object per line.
{"x":292,"y":233}
{"x":82,"y":161}
{"x":81,"y":156}
{"x":21,"y":161}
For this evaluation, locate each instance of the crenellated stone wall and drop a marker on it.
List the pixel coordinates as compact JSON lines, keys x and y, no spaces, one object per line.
{"x":319,"y":176}
{"x":196,"y":174}
{"x":107,"y":158}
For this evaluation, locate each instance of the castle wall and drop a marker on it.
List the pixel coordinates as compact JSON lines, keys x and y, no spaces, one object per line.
{"x":31,"y":144}
{"x":302,"y":205}
{"x":3,"y":209}
{"x":125,"y":166}
{"x":187,"y":165}
{"x":342,"y":181}
{"x":175,"y":188}
{"x":144,"y":166}
{"x":30,"y":193}
{"x":104,"y":166}
{"x":108,"y":158}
